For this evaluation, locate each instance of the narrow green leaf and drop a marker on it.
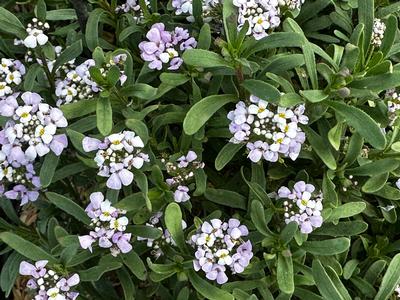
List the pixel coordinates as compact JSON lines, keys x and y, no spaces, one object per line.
{"x":135,"y":264}
{"x":262,"y":90}
{"x":390,"y":280}
{"x":173,"y":221}
{"x":26,"y":248}
{"x":225,"y":197}
{"x":362,"y":122}
{"x":206,"y":289}
{"x":69,"y":206}
{"x":327,"y":247}
{"x":284,"y":273}
{"x":95,"y":273}
{"x":199,"y":113}
{"x":205,"y":59}
{"x":226,"y":154}
{"x":48,"y":169}
{"x":104,"y":116}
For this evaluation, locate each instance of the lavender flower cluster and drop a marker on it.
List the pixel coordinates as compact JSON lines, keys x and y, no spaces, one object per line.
{"x":185,"y":7}
{"x":269,"y":131}
{"x":11,"y":73}
{"x":30,"y":132}
{"x":36,"y":36}
{"x":165,"y":47}
{"x":46,"y":284}
{"x":109,"y":224}
{"x":116,"y":156}
{"x":79,"y":85}
{"x":378,"y":32}
{"x":182,"y":172}
{"x":302,"y":206}
{"x":165,"y":239}
{"x":220,"y":247}
{"x":133,"y":7}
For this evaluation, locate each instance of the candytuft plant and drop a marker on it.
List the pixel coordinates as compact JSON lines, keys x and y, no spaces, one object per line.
{"x":199,"y":149}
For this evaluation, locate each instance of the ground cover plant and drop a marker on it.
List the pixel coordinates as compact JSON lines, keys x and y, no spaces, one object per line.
{"x":199,"y":149}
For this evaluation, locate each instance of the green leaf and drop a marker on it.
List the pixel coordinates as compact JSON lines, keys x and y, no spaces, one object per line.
{"x":257,"y":214}
{"x":205,"y":59}
{"x":206,"y":289}
{"x":262,"y":90}
{"x":92,"y":28}
{"x":326,"y":247}
{"x":319,"y":146}
{"x":126,"y":283}
{"x":31,"y":75}
{"x":144,"y":231}
{"x":10,"y":272}
{"x":104,"y":116}
{"x":388,"y":192}
{"x":324,"y":283}
{"x":225,"y":197}
{"x":79,"y":109}
{"x":135,"y":264}
{"x":199,"y":113}
{"x":173,"y":221}
{"x":69,"y":206}
{"x":288,"y":232}
{"x":376,"y":167}
{"x":284,"y":273}
{"x":62,"y":14}
{"x":26,"y":248}
{"x":314,"y":96}
{"x":95,"y":273}
{"x":226,"y":154}
{"x":366,"y":17}
{"x":11,"y":24}
{"x":76,"y":139}
{"x":347,"y":210}
{"x":342,"y":229}
{"x":204,"y":40}
{"x":375,"y":183}
{"x":335,"y":135}
{"x":390,"y":280}
{"x":377,"y":83}
{"x":362,"y":123}
{"x":48,"y":168}
{"x":40,"y":10}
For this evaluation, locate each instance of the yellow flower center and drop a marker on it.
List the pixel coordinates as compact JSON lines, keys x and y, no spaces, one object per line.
{"x":12,"y":77}
{"x":208,"y":238}
{"x":304,"y":202}
{"x":279,"y":141}
{"x":282,"y":115}
{"x":259,"y":21}
{"x":261,"y":109}
{"x":117,"y":142}
{"x":41,"y":131}
{"x":223,"y":255}
{"x":106,"y":213}
{"x":2,"y":86}
{"x":286,"y":129}
{"x":24,"y":115}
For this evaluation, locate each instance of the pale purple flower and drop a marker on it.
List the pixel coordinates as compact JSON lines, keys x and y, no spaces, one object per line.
{"x":181,"y":194}
{"x":122,"y":241}
{"x":38,"y":270}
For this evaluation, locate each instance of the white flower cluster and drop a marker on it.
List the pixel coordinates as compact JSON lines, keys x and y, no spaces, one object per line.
{"x":301,"y":206}
{"x":185,"y":7}
{"x":263,"y":15}
{"x":165,"y":239}
{"x":47,"y":284}
{"x":79,"y":85}
{"x":291,"y":4}
{"x":116,"y":156}
{"x":220,"y":246}
{"x":269,"y":131}
{"x":132,"y":6}
{"x":34,"y":125}
{"x":182,"y":172}
{"x":11,"y":72}
{"x":393,"y":104}
{"x":378,"y":32}
{"x":109,"y":225}
{"x":36,"y":34}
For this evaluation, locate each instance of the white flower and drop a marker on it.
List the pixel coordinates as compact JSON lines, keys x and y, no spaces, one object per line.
{"x":35,"y":37}
{"x":260,"y":109}
{"x":116,"y":141}
{"x":4,"y":89}
{"x":46,"y":133}
{"x":282,"y":115}
{"x":279,"y":138}
{"x":106,"y":211}
{"x":23,"y":112}
{"x":119,"y":224}
{"x":54,"y":294}
{"x":14,"y":77}
{"x":223,"y":257}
